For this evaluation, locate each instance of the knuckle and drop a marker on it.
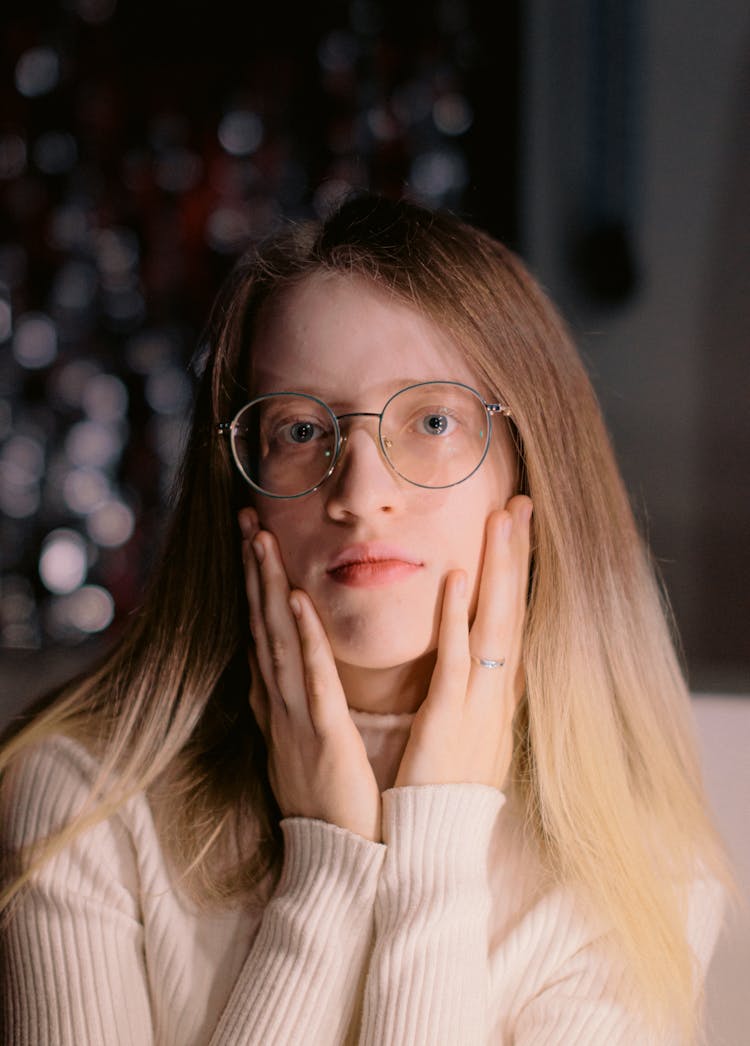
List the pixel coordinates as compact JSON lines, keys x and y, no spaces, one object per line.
{"x":454,"y":669}
{"x":451,"y":660}
{"x":313,"y":647}
{"x":278,"y":651}
{"x":315,"y":682}
{"x":277,"y":713}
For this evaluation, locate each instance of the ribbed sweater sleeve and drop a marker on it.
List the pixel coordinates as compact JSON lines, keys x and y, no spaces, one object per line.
{"x":428,"y":977}
{"x":302,"y":976}
{"x":75,"y":966}
{"x":72,"y":960}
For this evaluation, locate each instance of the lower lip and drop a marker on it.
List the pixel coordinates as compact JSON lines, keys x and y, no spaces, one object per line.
{"x":370,"y":575}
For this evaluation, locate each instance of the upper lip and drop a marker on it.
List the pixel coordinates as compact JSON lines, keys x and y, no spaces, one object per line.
{"x":371,"y":552}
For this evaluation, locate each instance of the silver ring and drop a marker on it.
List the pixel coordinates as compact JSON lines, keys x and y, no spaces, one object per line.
{"x":487,"y":662}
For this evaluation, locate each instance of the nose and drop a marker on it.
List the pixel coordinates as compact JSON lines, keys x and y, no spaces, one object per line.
{"x":362,"y":483}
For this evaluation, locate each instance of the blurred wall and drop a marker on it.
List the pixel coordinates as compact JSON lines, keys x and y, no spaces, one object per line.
{"x":636,"y":216}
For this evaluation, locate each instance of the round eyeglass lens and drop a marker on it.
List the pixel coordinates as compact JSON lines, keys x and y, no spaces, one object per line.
{"x":435,"y":434}
{"x":284,"y":444}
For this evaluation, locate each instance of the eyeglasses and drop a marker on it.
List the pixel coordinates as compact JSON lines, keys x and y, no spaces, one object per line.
{"x":433,"y":434}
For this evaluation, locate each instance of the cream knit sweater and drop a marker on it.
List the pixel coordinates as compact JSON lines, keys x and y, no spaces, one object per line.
{"x":441,"y":935}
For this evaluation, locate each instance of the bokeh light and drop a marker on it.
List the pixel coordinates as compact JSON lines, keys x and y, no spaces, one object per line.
{"x":85,"y":489}
{"x":228,"y":229}
{"x":35,"y":340}
{"x":110,"y":524}
{"x":18,"y":613}
{"x":68,"y":382}
{"x":21,"y":469}
{"x":63,"y":562}
{"x":452,"y":114}
{"x":105,"y":398}
{"x":438,"y":174}
{"x":241,"y":132}
{"x":169,"y":391}
{"x":37,"y":71}
{"x":92,"y":444}
{"x":88,"y":610}
{"x":128,"y":190}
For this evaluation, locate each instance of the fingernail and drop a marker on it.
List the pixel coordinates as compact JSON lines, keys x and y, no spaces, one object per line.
{"x":528,"y":510}
{"x":259,"y":551}
{"x":507,"y":527}
{"x":295,"y":605}
{"x":461,"y":584}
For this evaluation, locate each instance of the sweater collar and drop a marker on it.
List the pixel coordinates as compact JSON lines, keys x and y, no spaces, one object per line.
{"x":385,"y":735}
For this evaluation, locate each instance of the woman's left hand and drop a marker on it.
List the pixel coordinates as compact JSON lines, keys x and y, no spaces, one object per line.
{"x":463,"y":730}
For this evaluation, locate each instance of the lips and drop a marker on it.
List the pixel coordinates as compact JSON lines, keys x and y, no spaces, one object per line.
{"x":373,"y":563}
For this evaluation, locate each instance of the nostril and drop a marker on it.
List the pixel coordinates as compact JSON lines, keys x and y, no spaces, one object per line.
{"x":362,"y":482}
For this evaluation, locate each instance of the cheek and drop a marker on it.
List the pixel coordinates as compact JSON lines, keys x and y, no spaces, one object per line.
{"x":463,"y":539}
{"x":292,"y":528}
{"x":470,"y":553}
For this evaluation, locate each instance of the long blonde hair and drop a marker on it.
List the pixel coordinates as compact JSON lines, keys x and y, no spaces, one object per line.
{"x":605,"y":763}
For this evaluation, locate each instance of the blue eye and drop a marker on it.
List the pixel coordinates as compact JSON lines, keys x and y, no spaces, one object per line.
{"x":435,"y":424}
{"x":301,"y":432}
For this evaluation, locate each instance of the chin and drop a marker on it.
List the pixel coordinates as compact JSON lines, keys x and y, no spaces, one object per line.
{"x":379,"y":663}
{"x":380,"y":648}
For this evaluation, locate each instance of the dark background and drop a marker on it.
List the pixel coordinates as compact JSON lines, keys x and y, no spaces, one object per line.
{"x":143,"y":147}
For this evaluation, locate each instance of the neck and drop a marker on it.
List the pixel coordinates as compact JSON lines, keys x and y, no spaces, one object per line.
{"x":401,"y":688}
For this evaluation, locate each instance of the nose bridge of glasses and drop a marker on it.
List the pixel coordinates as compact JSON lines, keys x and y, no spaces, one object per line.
{"x":345,"y":430}
{"x":358,"y":414}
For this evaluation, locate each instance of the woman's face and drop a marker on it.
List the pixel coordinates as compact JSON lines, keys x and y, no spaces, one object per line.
{"x":345,"y":341}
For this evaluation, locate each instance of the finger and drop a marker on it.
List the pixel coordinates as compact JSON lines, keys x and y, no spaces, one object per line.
{"x":247,"y":518}
{"x":498,"y":623}
{"x":327,"y":702}
{"x":282,"y":637}
{"x":451,"y":673}
{"x":258,"y":696}
{"x":259,"y":657}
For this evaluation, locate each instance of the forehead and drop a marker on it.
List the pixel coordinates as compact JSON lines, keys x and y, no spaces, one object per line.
{"x":344,"y":337}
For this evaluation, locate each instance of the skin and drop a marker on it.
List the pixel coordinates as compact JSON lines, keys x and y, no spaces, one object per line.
{"x":403,"y":644}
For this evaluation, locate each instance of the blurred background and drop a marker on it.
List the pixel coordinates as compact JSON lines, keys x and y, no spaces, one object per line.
{"x":144,"y":147}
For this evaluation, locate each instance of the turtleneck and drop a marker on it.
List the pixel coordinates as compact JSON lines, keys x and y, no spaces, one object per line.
{"x":385,"y":735}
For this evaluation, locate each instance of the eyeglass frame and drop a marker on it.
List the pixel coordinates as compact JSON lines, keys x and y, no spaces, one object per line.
{"x":225,"y":428}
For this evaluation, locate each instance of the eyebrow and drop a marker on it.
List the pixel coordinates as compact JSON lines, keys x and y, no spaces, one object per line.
{"x":335,"y":401}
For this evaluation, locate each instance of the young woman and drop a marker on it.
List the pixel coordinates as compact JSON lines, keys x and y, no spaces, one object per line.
{"x":461,"y":803}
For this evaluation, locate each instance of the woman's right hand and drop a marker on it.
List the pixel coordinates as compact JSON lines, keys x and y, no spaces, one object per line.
{"x":317,"y":762}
